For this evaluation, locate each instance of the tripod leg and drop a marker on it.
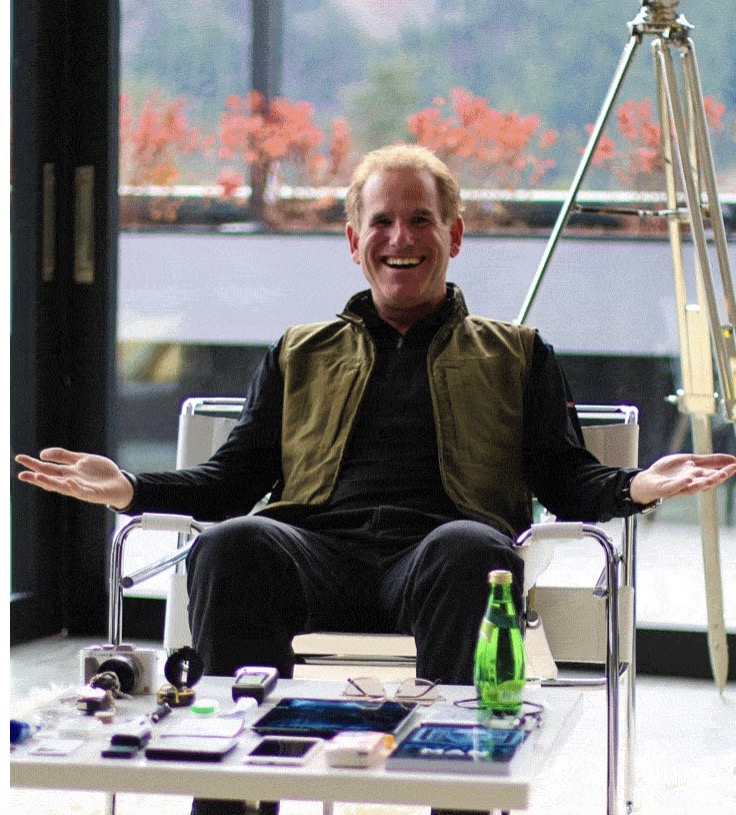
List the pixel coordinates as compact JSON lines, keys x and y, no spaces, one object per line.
{"x":674,"y":225}
{"x":692,"y":79}
{"x":724,"y":338}
{"x":717,"y":641}
{"x":618,"y":78}
{"x":695,"y":342}
{"x":693,"y":201}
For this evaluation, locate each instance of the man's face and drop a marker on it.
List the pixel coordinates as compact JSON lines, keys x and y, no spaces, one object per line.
{"x":402,"y":245}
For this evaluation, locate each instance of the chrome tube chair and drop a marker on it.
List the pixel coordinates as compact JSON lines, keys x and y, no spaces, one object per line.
{"x":554,"y":615}
{"x":571,"y":624}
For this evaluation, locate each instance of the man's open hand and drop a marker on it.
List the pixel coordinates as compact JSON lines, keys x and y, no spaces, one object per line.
{"x":681,"y":474}
{"x":91,"y":478}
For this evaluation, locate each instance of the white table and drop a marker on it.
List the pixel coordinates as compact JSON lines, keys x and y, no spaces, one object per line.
{"x":84,"y":769}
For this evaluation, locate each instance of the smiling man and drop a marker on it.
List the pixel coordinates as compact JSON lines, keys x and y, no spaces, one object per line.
{"x":402,"y":236}
{"x":400,"y":445}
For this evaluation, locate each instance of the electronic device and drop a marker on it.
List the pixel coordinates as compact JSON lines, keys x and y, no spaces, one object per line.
{"x":357,"y":749}
{"x":136,"y":733}
{"x":190,"y":748}
{"x":129,"y":737}
{"x":326,"y":718}
{"x":135,"y":668}
{"x":119,"y":751}
{"x":254,"y":681}
{"x":293,"y":751}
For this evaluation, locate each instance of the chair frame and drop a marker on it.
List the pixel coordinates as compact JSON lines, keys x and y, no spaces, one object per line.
{"x":619,"y":571}
{"x":618,"y":576}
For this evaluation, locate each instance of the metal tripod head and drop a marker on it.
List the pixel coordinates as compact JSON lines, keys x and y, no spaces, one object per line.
{"x":659,"y":17}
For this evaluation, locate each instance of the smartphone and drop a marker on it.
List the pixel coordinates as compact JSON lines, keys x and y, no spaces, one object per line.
{"x":190,"y":748}
{"x":292,"y":751}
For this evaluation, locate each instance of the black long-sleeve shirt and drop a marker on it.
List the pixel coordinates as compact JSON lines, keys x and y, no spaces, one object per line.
{"x":392,"y":457}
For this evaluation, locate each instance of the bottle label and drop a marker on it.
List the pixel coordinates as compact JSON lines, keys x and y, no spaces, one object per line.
{"x":499,"y":670}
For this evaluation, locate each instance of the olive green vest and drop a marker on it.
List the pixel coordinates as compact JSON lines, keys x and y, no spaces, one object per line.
{"x":477,"y":372}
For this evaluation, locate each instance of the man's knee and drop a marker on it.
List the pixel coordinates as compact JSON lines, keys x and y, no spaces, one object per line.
{"x":243,"y":567}
{"x":245,"y":541}
{"x":465,"y":544}
{"x":460,"y":554}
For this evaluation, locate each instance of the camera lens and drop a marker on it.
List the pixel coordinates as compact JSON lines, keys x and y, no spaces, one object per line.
{"x":125,"y":669}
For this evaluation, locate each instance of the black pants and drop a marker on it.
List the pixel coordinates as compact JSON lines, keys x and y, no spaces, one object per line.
{"x":255,"y":582}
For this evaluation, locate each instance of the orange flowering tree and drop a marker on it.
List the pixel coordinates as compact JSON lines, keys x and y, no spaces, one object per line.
{"x":153,"y":141}
{"x":278,"y":142}
{"x":484,"y":146}
{"x":637,"y":160}
{"x":338,"y":165}
{"x":153,"y":144}
{"x":275,"y":135}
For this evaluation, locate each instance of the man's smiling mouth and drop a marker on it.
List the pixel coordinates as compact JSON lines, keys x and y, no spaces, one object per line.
{"x":403,"y":263}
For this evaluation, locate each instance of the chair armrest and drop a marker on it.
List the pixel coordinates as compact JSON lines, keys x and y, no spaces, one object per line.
{"x":555,"y":530}
{"x":162,"y":522}
{"x":182,"y":524}
{"x":536,"y":545}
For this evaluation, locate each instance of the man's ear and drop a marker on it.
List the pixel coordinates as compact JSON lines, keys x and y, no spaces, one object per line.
{"x":352,"y":235}
{"x":456,"y":236}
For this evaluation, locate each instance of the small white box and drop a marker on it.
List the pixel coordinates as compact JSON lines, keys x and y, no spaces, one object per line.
{"x":357,"y":749}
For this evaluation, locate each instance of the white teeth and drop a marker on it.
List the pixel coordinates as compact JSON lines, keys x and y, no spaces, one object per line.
{"x":403,"y":261}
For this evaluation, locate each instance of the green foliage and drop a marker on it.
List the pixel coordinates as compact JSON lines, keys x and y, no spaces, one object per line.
{"x":324,"y":50}
{"x":188,"y":48}
{"x":379,"y":106}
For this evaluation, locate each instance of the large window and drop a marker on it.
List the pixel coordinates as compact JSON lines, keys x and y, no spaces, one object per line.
{"x":505,"y":92}
{"x":231,"y":199}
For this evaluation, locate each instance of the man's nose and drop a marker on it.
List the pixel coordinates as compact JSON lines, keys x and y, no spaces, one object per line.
{"x":401,"y":233}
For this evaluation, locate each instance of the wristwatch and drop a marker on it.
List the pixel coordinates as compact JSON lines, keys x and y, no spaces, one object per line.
{"x":134,"y":483}
{"x":629,"y":503}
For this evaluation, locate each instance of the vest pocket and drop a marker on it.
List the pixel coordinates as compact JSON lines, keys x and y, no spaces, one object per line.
{"x":315,"y":429}
{"x":488,"y":424}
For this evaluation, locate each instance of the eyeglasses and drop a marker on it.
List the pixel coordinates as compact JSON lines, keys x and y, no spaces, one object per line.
{"x":527,"y":718}
{"x":421,"y":691}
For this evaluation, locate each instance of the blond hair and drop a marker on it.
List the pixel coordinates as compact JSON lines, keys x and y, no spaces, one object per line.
{"x":404,"y":157}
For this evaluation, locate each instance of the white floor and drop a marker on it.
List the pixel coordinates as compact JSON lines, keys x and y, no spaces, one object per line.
{"x":685,"y":756}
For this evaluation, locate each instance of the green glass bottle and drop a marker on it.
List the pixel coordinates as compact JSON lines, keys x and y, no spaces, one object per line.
{"x":500,"y":658}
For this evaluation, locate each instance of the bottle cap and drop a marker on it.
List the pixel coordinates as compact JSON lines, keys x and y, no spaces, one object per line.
{"x":501,"y":577}
{"x":205,"y":707}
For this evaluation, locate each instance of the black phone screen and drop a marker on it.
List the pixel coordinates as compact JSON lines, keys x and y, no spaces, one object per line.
{"x":285,"y":748}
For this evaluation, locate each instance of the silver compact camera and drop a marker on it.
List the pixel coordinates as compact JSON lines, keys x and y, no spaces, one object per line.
{"x":135,"y":668}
